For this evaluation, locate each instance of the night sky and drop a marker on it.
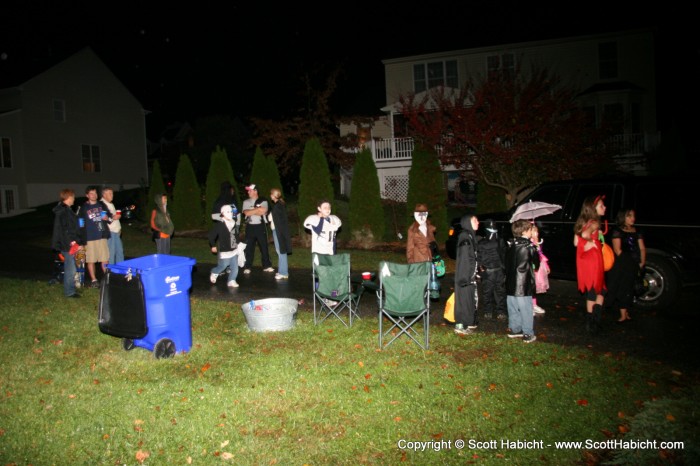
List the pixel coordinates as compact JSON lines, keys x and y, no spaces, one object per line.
{"x":182,"y":60}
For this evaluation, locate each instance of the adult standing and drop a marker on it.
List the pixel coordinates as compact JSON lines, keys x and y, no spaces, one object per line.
{"x":255,"y":212}
{"x":630,"y":258}
{"x":66,"y":239}
{"x":465,"y":277}
{"x":589,"y":259}
{"x":420,"y":234}
{"x":280,"y":233}
{"x":161,"y":224}
{"x":324,"y":227}
{"x":114,"y":243}
{"x":95,"y":218}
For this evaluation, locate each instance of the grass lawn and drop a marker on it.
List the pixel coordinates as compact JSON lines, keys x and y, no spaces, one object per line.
{"x":312,"y":395}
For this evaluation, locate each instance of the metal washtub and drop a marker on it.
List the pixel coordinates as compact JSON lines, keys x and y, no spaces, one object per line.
{"x":272,"y":314}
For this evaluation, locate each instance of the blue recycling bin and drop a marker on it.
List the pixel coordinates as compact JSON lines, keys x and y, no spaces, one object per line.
{"x":166,"y":287}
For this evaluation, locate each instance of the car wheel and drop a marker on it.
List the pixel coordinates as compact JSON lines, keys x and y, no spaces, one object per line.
{"x":663,"y":283}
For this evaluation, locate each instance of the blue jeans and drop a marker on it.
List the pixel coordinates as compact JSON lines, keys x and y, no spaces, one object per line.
{"x":69,"y":270}
{"x":116,"y":248}
{"x":282,"y":265}
{"x":231,"y":262}
{"x":520,"y":314}
{"x":163,"y":245}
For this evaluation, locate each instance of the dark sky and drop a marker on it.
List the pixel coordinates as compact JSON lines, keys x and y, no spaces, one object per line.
{"x":184,"y":60}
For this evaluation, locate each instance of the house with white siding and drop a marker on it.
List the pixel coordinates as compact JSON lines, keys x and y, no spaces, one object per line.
{"x":71,"y":125}
{"x":614,"y":75}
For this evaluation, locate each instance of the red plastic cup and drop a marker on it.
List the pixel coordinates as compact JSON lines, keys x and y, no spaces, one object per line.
{"x":119,"y":212}
{"x":366,"y":275}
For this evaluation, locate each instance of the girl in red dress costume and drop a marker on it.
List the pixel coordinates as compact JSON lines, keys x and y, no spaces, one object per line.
{"x":589,"y":259}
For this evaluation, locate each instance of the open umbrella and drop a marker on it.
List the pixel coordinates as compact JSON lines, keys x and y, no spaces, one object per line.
{"x":531,"y":210}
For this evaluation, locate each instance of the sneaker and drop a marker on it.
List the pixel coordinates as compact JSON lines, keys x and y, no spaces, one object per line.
{"x":246,"y":271}
{"x":501,"y":317}
{"x":269,"y":269}
{"x":537,"y":310}
{"x":281,"y":277}
{"x":488,"y":315}
{"x":233,"y":284}
{"x":472,"y":327}
{"x":529,"y":338}
{"x":512,"y":334}
{"x":460,"y":330}
{"x":94,"y":284}
{"x":213,"y":277}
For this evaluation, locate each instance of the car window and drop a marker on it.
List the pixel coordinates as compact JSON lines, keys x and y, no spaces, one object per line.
{"x":551,"y":194}
{"x":664,"y":202}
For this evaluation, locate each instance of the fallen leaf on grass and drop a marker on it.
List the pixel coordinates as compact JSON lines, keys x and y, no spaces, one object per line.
{"x":670,"y":417}
{"x":206,"y":367}
{"x":224,"y":443}
{"x":361,"y":364}
{"x":142,"y":456}
{"x":623,"y":429}
{"x":550,"y":385}
{"x":368,"y":376}
{"x":492,"y":387}
{"x":582,"y":402}
{"x":397,"y":419}
{"x":57,"y":342}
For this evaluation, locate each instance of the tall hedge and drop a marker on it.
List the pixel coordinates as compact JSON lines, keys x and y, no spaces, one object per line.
{"x":426,"y":186}
{"x":366,"y":210}
{"x":155,"y":187}
{"x":314,"y":179}
{"x":259,"y":173}
{"x":187,"y":212}
{"x":273,"y":175}
{"x":220,"y":170}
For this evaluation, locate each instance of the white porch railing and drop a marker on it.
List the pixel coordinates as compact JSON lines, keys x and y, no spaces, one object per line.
{"x":623,"y":145}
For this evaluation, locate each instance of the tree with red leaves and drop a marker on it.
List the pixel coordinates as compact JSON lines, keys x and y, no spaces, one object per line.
{"x":515,"y":130}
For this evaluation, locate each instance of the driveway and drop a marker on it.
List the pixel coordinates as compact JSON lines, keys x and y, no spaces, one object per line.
{"x":666,"y":335}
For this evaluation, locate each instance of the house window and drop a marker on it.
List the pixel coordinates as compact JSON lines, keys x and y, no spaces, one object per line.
{"x":607,"y":60}
{"x":59,"y":110}
{"x":8,"y":201}
{"x":434,"y":74}
{"x":5,"y":153}
{"x":614,"y":118}
{"x":504,"y":63}
{"x":91,"y":158}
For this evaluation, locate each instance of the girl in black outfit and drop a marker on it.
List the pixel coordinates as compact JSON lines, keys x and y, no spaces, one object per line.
{"x":628,"y":244}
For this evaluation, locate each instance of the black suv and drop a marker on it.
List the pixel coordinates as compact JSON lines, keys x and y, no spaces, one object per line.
{"x":665,"y":216}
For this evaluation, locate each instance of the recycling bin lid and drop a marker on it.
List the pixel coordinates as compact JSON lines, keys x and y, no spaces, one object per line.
{"x":151,"y":262}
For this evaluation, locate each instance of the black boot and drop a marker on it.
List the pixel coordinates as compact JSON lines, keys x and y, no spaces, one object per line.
{"x":598,"y":316}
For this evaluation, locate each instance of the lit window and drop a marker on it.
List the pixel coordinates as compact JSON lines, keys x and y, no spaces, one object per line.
{"x":91,"y":158}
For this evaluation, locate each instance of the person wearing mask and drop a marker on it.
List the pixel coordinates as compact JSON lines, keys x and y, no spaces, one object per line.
{"x":223,"y":243}
{"x":465,"y":277}
{"x":421,"y":234}
{"x":324,"y":227}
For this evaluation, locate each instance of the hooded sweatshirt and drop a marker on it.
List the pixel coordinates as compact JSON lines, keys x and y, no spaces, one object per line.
{"x":466,"y":266}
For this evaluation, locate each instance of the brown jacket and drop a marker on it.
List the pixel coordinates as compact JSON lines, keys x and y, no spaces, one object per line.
{"x":418,"y":244}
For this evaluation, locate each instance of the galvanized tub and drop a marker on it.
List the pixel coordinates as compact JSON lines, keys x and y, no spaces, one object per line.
{"x":271,"y":314}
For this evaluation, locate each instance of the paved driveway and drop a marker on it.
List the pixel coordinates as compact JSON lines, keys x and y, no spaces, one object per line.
{"x":666,"y":335}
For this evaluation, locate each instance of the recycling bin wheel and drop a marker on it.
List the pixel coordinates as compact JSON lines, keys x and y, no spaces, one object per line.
{"x":128,"y":344}
{"x":164,"y":348}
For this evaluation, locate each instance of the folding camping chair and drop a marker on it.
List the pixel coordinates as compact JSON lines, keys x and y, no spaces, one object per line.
{"x":332,"y":289}
{"x":404,"y":300}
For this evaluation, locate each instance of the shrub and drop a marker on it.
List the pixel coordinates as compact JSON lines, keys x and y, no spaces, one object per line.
{"x":367,"y":221}
{"x":187,"y":197}
{"x":425,"y":185}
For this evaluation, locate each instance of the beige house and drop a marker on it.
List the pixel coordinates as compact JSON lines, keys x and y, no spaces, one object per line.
{"x":614,"y":74}
{"x":71,"y":126}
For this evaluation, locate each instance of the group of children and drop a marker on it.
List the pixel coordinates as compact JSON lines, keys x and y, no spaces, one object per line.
{"x":511,"y":275}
